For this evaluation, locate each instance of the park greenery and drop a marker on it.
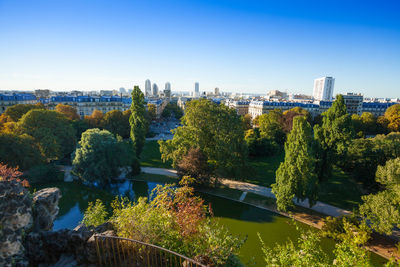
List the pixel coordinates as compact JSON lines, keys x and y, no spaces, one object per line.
{"x":216,"y":131}
{"x":173,"y":218}
{"x":137,"y":120}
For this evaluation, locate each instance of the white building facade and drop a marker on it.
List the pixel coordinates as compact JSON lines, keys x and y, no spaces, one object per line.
{"x":323,"y":89}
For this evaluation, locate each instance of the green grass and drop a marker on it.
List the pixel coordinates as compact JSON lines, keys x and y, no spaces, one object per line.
{"x":155,"y":178}
{"x":223,"y":191}
{"x":263,"y":169}
{"x":151,"y":156}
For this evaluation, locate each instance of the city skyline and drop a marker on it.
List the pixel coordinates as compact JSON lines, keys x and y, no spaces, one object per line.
{"x":240,"y":46}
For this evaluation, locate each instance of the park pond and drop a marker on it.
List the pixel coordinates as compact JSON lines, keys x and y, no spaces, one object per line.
{"x":241,"y":219}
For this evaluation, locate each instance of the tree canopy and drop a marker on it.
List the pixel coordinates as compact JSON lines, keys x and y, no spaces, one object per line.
{"x":69,"y":112}
{"x":51,"y":130}
{"x":95,"y":120}
{"x":392,"y":115}
{"x":270,"y":125}
{"x":99,"y":156}
{"x":216,"y":130}
{"x":15,"y":112}
{"x":116,"y":122}
{"x":295,"y":176}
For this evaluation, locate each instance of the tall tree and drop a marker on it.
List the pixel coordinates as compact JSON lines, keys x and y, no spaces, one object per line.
{"x":295,"y":176}
{"x":138,"y":120}
{"x":70,"y":112}
{"x":271,"y":126}
{"x":216,"y":130}
{"x":334,"y":136}
{"x":392,"y":115}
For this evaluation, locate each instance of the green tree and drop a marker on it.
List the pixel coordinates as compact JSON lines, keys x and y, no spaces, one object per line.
{"x":172,"y":109}
{"x":334,"y":136}
{"x":151,"y":109}
{"x":19,"y":151}
{"x":247,"y":122}
{"x":138,"y":120}
{"x":115,"y":122}
{"x":382,"y":210}
{"x":69,"y":112}
{"x":289,"y":115}
{"x":95,"y":214}
{"x":15,"y":112}
{"x":295,"y":176}
{"x":51,"y":130}
{"x":99,"y":156}
{"x":216,"y":130}
{"x":270,"y":125}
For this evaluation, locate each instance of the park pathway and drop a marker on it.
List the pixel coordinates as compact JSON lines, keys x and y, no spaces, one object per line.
{"x":259,"y":190}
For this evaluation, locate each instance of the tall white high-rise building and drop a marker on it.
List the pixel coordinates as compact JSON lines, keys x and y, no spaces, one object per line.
{"x":155,"y":89}
{"x":323,"y":88}
{"x":216,"y":91}
{"x":196,"y":89}
{"x":167,"y":90}
{"x":147,"y":88}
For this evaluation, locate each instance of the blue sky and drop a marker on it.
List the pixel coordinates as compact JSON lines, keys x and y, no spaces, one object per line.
{"x":239,"y":46}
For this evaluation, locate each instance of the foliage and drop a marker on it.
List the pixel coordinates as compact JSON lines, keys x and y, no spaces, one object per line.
{"x":19,"y":151}
{"x":333,"y":137}
{"x":151,"y":110}
{"x":365,"y":124}
{"x":295,"y":176}
{"x":138,"y":120}
{"x":51,"y":131}
{"x":271,"y":126}
{"x":172,"y":109}
{"x":383,"y":208}
{"x":68,"y":111}
{"x":99,"y":156}
{"x":95,"y":214}
{"x":15,"y":112}
{"x":247,"y":122}
{"x":335,"y":227}
{"x":392,"y":115}
{"x":117,"y":123}
{"x":216,"y":130}
{"x":289,"y":115}
{"x":259,"y":146}
{"x":308,"y":252}
{"x":44,"y":173}
{"x":79,"y":126}
{"x":9,"y":174}
{"x":177,"y":220}
{"x":95,"y":120}
{"x":194,"y":164}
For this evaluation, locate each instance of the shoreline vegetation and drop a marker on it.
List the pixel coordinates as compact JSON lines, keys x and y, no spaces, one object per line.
{"x":383,"y":246}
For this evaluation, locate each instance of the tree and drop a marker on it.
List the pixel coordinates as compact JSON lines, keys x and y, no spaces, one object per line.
{"x":289,"y":115}
{"x":51,"y":131}
{"x":172,"y":109}
{"x":151,"y":109}
{"x":99,"y":156}
{"x":247,"y":122}
{"x":364,"y":124}
{"x":270,"y":125}
{"x":138,"y":120}
{"x":194,"y":164}
{"x":259,"y":146}
{"x":216,"y":130}
{"x":334,"y":136}
{"x":382,"y":210}
{"x":392,"y":115}
{"x":95,"y":120}
{"x":115,"y":122}
{"x":15,"y":112}
{"x":68,"y":111}
{"x":19,"y":151}
{"x":295,"y":176}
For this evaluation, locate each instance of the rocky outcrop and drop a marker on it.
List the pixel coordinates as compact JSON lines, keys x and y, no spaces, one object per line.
{"x":15,"y":219}
{"x":45,"y":210}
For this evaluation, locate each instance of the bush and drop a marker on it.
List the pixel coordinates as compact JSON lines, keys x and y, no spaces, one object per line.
{"x":44,"y":174}
{"x":260,"y":146}
{"x":95,"y":214}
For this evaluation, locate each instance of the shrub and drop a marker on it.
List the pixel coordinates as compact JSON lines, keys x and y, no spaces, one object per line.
{"x":95,"y":214}
{"x":44,"y":174}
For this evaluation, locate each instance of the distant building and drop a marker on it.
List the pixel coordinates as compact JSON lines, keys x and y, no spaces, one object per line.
{"x":106,"y":92}
{"x":276,"y":94}
{"x":42,"y":93}
{"x":241,"y":106}
{"x":155,"y":89}
{"x":8,"y":100}
{"x":216,"y":91}
{"x":323,"y":89}
{"x":196,"y":89}
{"x":377,"y":108}
{"x":257,"y":108}
{"x":167,"y":90}
{"x":354,"y":103}
{"x":147,"y":88}
{"x":122,"y":90}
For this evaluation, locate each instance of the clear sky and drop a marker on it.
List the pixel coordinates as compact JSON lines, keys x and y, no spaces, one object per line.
{"x":239,"y":46}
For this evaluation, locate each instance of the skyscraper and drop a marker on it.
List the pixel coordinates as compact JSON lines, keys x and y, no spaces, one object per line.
{"x":167,"y":90}
{"x":216,"y":91}
{"x":147,"y":88}
{"x":155,"y":89}
{"x":196,"y":89}
{"x":323,"y":88}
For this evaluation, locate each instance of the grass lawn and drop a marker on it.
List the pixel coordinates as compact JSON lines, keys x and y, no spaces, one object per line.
{"x":151,"y":156}
{"x":155,"y":178}
{"x":263,"y":169}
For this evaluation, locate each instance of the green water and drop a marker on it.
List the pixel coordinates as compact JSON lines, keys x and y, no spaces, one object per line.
{"x":239,"y":218}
